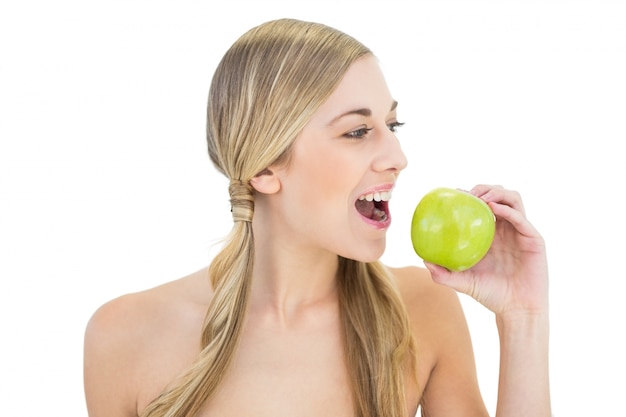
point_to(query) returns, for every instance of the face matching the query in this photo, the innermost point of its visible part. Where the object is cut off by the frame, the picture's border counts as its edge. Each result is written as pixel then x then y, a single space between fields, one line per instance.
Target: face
pixel 334 193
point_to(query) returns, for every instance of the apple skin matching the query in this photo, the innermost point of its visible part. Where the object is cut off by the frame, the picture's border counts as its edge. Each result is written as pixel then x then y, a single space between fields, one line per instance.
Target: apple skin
pixel 452 228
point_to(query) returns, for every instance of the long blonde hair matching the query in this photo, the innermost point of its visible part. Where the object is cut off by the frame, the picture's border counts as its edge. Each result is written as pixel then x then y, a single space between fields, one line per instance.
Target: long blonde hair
pixel 264 91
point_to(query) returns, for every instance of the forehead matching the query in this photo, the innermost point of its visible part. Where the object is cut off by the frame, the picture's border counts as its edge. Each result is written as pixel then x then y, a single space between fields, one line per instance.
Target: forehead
pixel 363 86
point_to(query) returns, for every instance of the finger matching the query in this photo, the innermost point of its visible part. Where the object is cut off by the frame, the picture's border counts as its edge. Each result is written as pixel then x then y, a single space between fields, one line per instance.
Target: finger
pixel 481 189
pixel 437 273
pixel 501 195
pixel 515 217
pixel 443 276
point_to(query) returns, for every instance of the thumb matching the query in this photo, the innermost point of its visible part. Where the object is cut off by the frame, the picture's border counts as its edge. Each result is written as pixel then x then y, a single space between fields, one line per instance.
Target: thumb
pixel 444 276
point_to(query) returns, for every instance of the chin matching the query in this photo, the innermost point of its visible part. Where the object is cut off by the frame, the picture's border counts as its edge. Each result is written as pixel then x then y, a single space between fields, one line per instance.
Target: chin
pixel 371 253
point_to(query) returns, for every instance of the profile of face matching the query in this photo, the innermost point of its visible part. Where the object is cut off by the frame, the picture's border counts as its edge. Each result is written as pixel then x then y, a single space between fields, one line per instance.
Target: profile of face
pixel 333 194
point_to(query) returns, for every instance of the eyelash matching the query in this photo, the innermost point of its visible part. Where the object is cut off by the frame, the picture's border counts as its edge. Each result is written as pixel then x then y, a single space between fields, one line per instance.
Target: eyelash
pixel 360 133
pixel 394 126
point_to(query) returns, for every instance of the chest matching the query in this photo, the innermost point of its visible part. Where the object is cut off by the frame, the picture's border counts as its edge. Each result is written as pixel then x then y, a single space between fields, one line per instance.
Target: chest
pixel 277 373
pixel 274 373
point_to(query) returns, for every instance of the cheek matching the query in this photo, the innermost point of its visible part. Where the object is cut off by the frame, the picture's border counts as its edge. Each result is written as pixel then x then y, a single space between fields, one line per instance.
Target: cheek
pixel 318 193
pixel 335 178
pixel 329 172
pixel 324 177
pixel 322 170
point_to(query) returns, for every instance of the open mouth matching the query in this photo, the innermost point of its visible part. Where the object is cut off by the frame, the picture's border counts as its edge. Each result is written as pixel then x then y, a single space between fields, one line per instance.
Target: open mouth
pixel 374 206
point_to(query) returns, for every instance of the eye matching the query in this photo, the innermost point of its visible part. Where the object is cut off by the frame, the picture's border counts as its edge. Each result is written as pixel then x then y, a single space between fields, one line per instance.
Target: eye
pixel 358 133
pixel 394 126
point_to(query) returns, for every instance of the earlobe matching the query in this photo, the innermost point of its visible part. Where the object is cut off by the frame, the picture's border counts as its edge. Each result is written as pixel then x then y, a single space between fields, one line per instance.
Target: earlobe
pixel 266 182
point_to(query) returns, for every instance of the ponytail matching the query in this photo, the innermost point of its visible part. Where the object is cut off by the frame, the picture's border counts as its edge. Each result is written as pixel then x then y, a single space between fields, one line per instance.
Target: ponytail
pixel 230 274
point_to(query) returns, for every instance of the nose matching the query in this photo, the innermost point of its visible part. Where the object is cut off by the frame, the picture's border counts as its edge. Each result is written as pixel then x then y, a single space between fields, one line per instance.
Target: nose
pixel 389 156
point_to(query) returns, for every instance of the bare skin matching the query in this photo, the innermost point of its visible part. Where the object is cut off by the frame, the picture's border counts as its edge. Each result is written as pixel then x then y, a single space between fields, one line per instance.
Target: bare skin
pixel 286 366
pixel 290 360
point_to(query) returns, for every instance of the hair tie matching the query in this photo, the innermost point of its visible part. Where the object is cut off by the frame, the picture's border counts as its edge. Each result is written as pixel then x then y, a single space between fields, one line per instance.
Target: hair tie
pixel 241 200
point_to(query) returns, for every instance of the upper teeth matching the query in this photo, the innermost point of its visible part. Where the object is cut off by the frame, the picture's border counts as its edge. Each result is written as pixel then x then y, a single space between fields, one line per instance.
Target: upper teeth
pixel 377 196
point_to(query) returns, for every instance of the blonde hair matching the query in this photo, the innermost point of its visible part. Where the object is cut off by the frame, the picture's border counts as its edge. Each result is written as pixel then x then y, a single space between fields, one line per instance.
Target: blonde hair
pixel 266 88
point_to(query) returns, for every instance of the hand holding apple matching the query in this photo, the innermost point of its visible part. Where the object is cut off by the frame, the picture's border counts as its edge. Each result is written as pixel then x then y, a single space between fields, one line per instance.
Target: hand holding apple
pixel 511 280
pixel 452 228
pixel 512 276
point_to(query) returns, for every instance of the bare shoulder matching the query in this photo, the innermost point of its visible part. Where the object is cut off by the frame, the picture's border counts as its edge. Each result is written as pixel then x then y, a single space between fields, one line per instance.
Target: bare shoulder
pixel 434 309
pixel 157 306
pixel 127 336
pixel 446 368
pixel 420 293
pixel 436 315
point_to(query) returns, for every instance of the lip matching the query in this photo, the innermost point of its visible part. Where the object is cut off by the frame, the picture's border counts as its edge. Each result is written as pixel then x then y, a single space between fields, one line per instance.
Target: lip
pixel 381 225
pixel 384 187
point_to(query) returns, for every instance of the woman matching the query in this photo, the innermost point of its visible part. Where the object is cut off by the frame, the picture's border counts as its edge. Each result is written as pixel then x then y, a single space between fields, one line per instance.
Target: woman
pixel 296 315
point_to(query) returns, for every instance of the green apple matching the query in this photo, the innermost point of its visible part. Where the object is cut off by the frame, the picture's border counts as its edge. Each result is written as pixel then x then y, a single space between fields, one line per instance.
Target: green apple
pixel 452 228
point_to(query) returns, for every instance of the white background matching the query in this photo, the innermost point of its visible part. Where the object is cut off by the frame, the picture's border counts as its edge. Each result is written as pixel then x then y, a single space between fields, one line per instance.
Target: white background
pixel 106 187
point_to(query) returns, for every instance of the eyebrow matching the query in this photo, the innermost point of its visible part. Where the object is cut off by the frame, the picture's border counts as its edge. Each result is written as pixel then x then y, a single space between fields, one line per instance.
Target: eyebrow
pixel 361 112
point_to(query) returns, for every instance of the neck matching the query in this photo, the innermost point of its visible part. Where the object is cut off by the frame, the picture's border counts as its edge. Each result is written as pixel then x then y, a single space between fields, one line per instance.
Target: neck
pixel 290 279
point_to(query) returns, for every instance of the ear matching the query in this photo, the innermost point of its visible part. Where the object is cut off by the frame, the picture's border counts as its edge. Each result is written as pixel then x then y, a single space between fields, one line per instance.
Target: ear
pixel 266 182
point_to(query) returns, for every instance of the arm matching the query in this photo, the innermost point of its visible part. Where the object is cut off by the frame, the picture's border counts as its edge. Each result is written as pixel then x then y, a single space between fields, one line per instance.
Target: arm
pixel 512 281
pixel 524 384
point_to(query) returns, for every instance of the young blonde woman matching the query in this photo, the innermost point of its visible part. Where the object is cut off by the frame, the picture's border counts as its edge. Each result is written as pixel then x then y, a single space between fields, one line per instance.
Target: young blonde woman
pixel 296 316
